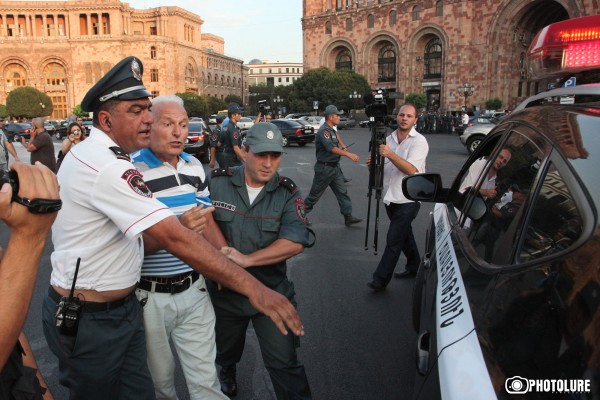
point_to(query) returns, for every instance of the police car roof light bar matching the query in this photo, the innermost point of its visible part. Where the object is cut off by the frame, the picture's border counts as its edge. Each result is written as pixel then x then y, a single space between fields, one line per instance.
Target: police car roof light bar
pixel 565 47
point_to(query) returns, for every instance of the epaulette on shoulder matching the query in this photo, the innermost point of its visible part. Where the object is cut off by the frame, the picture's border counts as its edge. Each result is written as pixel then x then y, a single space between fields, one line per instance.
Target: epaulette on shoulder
pixel 288 184
pixel 120 153
pixel 220 172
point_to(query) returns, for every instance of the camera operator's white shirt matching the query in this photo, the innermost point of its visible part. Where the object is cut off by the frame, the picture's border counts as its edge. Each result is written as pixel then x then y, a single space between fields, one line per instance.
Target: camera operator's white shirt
pixel 413 149
pixel 106 208
pixel 323 121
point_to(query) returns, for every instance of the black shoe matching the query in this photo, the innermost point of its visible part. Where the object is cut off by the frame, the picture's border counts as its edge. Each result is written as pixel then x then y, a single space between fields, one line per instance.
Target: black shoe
pixel 346 180
pixel 228 380
pixel 376 286
pixel 404 274
pixel 350 220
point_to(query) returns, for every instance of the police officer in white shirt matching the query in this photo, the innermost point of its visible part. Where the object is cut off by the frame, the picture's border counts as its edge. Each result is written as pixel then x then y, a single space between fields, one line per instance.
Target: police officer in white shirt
pixel 98 333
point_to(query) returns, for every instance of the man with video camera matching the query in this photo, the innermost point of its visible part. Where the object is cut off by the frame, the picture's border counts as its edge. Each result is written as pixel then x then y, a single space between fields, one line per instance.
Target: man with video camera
pixel 405 153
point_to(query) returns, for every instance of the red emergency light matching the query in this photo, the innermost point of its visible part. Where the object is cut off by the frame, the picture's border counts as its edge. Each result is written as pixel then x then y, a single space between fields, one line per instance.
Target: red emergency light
pixel 565 47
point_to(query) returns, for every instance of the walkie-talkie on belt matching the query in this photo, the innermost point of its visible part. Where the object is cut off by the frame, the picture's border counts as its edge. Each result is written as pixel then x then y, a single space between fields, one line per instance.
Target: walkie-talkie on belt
pixel 69 310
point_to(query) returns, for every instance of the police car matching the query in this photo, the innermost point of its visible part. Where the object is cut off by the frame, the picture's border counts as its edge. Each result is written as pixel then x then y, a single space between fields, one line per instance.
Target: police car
pixel 506 300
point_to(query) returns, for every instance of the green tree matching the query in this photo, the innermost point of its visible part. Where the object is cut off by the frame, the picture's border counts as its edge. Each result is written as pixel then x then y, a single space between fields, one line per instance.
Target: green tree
pixel 79 112
pixel 417 99
pixel 327 87
pixel 3 112
pixel 215 105
pixel 233 98
pixel 28 102
pixel 493 104
pixel 195 106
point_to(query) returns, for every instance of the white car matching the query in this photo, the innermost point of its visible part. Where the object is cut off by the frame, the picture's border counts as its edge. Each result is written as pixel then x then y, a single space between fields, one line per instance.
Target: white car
pixel 314 121
pixel 245 123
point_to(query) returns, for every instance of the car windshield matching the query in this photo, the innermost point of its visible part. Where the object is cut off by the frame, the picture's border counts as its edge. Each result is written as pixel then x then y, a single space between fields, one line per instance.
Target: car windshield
pixel 195 128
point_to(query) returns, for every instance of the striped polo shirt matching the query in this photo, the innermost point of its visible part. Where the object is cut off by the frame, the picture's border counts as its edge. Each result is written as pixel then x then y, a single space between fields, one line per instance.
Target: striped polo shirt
pixel 180 189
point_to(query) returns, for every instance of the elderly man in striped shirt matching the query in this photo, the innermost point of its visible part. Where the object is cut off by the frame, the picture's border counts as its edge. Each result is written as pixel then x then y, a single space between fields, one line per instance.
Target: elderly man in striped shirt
pixel 176 302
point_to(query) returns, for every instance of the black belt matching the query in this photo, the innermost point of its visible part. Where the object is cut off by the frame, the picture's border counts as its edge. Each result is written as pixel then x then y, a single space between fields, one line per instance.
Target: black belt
pixel 163 285
pixel 329 164
pixel 92 306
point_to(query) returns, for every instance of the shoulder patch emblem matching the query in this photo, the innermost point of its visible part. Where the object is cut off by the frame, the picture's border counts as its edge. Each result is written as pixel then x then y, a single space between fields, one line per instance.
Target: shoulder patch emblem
pixel 300 210
pixel 326 135
pixel 236 134
pixel 214 137
pixel 136 182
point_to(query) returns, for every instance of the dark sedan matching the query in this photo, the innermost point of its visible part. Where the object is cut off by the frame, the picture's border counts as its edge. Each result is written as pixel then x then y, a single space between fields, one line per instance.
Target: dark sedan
pixel 14 131
pixel 295 132
pixel 197 143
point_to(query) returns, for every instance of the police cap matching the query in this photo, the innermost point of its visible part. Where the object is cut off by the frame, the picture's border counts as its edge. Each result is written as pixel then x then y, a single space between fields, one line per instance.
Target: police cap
pixel 331 109
pixel 122 82
pixel 264 137
pixel 234 108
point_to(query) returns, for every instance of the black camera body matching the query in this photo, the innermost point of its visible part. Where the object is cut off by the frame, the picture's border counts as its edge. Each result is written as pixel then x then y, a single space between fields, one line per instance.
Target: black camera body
pixel 263 107
pixel 68 315
pixel 377 105
pixel 12 178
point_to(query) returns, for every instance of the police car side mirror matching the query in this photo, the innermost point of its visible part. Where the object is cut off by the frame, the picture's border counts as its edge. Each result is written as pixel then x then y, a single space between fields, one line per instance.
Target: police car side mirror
pixel 478 208
pixel 424 187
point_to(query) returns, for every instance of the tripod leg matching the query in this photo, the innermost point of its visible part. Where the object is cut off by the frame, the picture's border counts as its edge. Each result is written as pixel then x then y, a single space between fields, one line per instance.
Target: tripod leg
pixel 368 219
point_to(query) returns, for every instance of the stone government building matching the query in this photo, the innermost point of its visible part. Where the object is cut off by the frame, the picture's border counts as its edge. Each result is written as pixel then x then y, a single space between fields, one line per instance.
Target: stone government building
pixel 433 46
pixel 63 47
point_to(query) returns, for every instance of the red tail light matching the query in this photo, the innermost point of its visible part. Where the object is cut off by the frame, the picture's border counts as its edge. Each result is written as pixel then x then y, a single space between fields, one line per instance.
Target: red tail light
pixel 299 132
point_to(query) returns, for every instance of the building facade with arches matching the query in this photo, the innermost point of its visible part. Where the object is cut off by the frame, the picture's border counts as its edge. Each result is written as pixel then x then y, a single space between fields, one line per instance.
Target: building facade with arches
pixel 63 47
pixel 435 46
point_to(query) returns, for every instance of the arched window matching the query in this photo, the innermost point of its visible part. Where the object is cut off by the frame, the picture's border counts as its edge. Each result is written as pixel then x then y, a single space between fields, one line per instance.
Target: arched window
pixel 54 74
pixel 153 52
pixel 387 64
pixel 416 13
pixel 393 18
pixel 439 8
pixel 370 21
pixel 328 27
pixel 190 77
pixel 433 59
pixel 15 76
pixel 343 60
pixel 349 24
pixel 216 79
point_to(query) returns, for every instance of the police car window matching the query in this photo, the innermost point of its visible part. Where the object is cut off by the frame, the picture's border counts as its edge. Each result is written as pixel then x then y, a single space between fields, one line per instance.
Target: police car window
pixel 506 181
pixel 556 221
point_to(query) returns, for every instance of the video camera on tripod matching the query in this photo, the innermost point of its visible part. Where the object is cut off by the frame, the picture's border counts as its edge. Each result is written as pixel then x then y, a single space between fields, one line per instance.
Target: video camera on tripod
pixel 376 109
pixel 263 107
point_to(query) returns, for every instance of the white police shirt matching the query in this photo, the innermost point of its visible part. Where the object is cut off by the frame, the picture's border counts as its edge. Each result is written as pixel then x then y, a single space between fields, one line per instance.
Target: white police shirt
pixel 106 208
pixel 414 149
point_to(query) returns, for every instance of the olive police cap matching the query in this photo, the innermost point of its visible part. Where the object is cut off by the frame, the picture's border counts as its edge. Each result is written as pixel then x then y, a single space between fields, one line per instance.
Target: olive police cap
pixel 122 82
pixel 331 109
pixel 264 137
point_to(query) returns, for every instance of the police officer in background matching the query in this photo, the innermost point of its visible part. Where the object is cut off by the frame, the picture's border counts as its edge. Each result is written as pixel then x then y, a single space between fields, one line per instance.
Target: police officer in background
pixel 327 168
pixel 232 138
pixel 101 347
pixel 261 215
pixel 216 143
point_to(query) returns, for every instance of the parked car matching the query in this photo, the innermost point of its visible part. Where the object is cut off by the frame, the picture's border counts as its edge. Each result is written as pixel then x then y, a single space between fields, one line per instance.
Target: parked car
pixel 314 120
pixel 475 121
pixel 197 143
pixel 473 135
pixel 245 123
pixel 364 123
pixel 295 132
pixel 296 115
pixel 346 123
pixel 506 299
pixel 50 127
pixel 87 125
pixel 16 130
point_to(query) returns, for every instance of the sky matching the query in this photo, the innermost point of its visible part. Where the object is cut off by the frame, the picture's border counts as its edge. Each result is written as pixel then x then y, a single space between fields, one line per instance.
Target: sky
pixel 264 29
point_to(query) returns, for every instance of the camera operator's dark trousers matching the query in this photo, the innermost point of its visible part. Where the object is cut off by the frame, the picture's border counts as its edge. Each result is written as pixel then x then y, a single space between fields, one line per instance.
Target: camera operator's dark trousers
pixel 107 358
pixel 234 312
pixel 399 239
pixel 329 174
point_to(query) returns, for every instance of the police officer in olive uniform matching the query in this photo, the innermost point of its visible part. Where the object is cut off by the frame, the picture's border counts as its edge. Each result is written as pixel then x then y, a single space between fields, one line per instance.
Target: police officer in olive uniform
pixel 216 143
pixel 262 217
pixel 327 168
pixel 232 138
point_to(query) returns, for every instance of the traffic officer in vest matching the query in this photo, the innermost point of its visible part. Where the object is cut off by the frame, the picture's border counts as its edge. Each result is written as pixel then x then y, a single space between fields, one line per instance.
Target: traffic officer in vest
pixel 216 143
pixel 327 169
pixel 261 215
pixel 91 318
pixel 232 138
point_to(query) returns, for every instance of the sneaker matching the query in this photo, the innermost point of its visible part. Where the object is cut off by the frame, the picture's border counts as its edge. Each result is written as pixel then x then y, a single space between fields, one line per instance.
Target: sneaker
pixel 351 220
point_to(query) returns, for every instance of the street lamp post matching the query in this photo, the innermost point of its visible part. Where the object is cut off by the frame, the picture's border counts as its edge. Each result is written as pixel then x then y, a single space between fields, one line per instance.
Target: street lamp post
pixel 466 90
pixel 279 101
pixel 353 97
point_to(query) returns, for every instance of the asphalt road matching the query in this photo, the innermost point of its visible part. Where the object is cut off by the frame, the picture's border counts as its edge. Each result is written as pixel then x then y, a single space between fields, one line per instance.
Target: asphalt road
pixel 358 344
